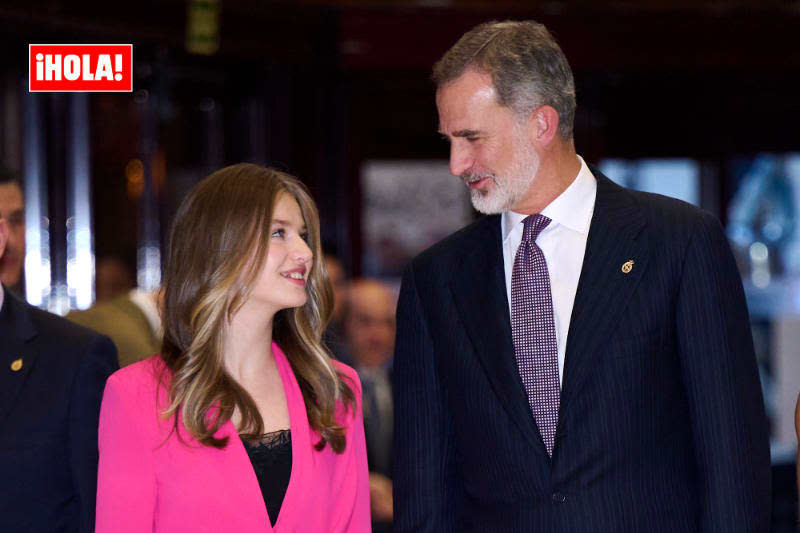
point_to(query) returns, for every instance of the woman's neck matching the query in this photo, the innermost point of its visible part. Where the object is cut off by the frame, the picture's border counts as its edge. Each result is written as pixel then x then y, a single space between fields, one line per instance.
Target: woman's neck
pixel 248 342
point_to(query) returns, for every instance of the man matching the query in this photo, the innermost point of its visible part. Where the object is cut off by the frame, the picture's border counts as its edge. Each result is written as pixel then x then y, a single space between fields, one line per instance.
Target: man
pixel 579 360
pixel 112 278
pixel 12 205
pixel 334 333
pixel 52 375
pixel 339 283
pixel 369 326
pixel 131 320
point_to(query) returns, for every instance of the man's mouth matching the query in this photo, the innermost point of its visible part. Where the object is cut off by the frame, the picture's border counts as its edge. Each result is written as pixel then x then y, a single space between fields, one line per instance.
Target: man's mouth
pixel 478 182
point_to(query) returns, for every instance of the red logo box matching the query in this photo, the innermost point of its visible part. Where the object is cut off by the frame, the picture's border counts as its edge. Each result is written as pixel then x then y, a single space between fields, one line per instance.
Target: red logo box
pixel 80 67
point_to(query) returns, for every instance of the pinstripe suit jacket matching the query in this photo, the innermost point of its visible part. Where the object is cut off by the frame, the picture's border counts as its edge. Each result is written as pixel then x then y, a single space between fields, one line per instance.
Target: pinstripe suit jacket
pixel 49 408
pixel 661 425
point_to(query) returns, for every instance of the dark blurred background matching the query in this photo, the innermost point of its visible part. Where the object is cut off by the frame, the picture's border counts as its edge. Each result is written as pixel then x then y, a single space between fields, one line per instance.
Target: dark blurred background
pixel 695 99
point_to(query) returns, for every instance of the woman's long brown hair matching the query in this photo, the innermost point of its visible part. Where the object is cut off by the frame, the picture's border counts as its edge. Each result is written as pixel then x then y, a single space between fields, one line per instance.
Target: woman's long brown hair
pixel 219 228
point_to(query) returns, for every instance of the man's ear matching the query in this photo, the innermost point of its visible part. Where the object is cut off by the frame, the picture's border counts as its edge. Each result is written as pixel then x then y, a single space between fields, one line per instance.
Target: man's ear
pixel 543 125
pixel 3 236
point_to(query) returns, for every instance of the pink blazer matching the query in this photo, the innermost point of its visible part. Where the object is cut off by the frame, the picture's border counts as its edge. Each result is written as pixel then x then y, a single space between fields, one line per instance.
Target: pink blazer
pixel 150 481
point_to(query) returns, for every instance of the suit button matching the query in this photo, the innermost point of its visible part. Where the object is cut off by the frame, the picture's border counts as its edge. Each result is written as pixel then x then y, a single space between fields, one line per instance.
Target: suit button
pixel 559 498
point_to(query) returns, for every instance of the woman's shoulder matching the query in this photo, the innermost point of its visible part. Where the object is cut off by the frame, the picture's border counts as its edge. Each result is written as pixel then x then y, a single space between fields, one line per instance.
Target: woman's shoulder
pixel 345 413
pixel 349 374
pixel 139 380
pixel 139 372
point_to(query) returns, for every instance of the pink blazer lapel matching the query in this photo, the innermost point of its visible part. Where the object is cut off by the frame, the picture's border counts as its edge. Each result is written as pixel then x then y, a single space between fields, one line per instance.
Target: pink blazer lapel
pixel 229 473
pixel 233 469
pixel 300 481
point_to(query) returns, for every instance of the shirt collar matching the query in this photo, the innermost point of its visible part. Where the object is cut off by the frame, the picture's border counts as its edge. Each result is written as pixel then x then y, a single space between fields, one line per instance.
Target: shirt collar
pixel 573 208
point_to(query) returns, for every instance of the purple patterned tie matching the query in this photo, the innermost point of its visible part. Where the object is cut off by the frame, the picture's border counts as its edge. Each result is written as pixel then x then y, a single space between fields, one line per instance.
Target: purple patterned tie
pixel 533 330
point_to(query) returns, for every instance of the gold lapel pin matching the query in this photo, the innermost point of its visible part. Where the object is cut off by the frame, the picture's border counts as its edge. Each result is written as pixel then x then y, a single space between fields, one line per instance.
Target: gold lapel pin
pixel 16 364
pixel 627 267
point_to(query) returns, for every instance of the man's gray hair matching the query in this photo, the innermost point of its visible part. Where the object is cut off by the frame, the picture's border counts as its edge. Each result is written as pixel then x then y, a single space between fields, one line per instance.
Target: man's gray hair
pixel 527 67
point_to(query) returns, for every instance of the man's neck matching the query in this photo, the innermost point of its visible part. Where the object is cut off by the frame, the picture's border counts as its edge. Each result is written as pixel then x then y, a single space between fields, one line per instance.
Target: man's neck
pixel 557 170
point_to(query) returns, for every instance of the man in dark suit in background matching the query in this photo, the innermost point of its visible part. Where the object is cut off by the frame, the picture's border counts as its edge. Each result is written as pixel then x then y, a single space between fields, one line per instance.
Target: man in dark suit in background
pixel 52 375
pixel 369 327
pixel 12 205
pixel 580 360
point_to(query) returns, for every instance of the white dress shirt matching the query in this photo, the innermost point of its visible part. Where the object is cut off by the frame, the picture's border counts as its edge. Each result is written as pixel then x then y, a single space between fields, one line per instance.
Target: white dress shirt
pixel 563 243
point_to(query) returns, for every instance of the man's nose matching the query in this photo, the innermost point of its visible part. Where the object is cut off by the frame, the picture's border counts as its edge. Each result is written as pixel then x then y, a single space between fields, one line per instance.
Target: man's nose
pixel 461 159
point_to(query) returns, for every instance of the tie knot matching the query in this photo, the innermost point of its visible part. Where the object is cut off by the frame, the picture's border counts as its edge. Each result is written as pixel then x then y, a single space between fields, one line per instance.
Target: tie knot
pixel 534 224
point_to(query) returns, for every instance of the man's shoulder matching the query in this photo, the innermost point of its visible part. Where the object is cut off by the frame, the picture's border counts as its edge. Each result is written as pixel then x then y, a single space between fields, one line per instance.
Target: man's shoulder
pixel 57 330
pixel 55 335
pixel 51 325
pixel 449 251
pixel 670 217
pixel 675 218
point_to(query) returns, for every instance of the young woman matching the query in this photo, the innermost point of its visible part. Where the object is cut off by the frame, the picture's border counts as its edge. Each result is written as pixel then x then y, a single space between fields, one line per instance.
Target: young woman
pixel 243 422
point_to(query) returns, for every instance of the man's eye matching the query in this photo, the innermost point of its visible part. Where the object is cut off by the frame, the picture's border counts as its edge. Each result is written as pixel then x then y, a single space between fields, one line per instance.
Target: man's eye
pixel 472 139
pixel 279 233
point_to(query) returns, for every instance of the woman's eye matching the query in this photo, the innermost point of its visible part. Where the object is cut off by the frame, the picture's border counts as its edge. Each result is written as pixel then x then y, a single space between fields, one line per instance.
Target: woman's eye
pixel 279 233
pixel 305 237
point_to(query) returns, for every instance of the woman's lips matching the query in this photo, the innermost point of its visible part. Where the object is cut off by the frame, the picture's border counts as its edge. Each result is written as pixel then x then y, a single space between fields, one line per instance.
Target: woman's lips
pixel 299 282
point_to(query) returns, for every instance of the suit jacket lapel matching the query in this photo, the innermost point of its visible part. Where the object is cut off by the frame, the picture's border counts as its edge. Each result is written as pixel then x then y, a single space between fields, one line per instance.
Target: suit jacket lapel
pixel 16 332
pixel 479 292
pixel 615 237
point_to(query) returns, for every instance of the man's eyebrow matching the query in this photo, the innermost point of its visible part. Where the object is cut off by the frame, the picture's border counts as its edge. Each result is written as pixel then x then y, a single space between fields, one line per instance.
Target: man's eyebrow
pixel 459 133
pixel 466 133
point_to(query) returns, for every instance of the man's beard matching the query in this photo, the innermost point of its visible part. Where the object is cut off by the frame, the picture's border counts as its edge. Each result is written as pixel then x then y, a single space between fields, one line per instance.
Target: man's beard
pixel 510 189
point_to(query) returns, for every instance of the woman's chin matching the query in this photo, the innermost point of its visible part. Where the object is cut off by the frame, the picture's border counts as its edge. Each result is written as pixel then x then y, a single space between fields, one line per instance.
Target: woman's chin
pixel 298 302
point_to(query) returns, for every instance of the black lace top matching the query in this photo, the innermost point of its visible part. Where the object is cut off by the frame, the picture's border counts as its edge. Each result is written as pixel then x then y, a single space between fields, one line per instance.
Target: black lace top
pixel 271 456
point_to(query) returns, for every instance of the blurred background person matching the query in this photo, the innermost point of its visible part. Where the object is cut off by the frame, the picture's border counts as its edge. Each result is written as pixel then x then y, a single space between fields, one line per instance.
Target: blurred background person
pixel 339 284
pixel 369 325
pixel 112 278
pixel 51 382
pixel 12 206
pixel 242 375
pixel 129 316
pixel 131 319
pixel 334 333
